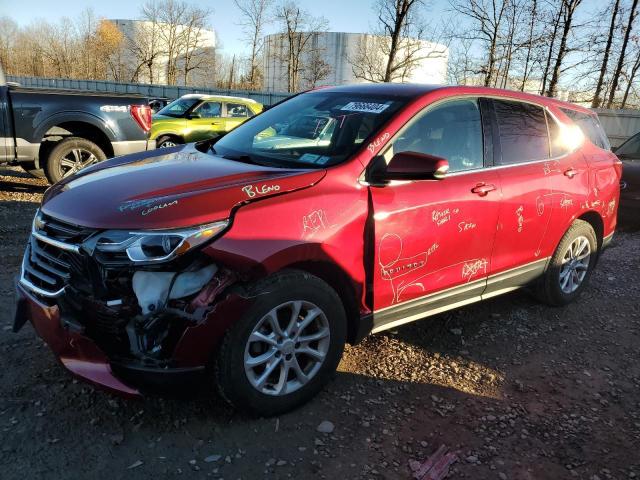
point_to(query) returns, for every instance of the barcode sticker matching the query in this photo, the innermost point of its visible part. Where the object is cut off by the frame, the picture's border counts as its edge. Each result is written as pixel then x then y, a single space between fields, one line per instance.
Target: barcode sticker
pixel 365 107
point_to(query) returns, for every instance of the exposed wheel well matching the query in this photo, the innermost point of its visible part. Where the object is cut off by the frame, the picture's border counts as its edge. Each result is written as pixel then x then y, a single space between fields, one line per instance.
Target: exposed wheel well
pixel 73 129
pixel 595 220
pixel 337 279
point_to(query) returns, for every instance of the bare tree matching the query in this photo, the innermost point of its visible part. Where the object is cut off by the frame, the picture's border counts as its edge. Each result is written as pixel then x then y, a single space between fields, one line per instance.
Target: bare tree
pixel 298 28
pixel 605 59
pixel 633 12
pixel 194 55
pixel 568 17
pixel 255 17
pixel 487 17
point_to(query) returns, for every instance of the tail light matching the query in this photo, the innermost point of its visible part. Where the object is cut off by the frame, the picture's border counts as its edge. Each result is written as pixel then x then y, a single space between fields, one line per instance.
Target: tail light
pixel 142 115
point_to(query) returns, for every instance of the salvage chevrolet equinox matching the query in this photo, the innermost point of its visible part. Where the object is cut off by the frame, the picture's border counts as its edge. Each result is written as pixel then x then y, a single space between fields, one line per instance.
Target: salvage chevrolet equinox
pixel 250 260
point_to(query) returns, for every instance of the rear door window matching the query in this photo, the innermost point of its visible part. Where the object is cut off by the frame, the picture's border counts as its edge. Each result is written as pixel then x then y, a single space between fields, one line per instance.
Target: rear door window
pixel 590 126
pixel 522 130
pixel 237 110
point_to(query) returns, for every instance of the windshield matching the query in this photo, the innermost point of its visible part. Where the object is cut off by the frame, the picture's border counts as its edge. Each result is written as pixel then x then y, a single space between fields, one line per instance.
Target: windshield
pixel 178 107
pixel 315 129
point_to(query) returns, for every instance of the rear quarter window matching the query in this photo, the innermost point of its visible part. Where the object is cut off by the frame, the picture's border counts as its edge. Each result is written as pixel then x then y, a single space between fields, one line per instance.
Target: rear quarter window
pixel 590 126
pixel 522 130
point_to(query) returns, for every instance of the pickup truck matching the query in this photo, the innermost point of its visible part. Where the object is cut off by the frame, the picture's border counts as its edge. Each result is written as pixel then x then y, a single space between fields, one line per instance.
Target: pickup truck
pixel 53 133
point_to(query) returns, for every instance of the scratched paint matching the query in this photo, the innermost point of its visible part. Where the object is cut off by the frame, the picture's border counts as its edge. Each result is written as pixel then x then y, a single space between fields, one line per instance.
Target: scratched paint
pixel 520 216
pixel 314 222
pixel 465 226
pixel 566 202
pixel 474 268
pixel 443 215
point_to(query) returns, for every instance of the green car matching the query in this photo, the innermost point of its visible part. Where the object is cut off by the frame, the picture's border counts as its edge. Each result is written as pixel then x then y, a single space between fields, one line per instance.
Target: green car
pixel 196 117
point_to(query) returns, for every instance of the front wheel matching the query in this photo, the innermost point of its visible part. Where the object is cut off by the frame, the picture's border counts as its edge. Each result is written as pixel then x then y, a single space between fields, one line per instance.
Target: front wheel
pixel 70 156
pixel 285 348
pixel 166 142
pixel 571 265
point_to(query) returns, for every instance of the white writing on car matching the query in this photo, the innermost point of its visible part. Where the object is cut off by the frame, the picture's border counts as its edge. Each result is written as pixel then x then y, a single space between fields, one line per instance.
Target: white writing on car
pixel 253 190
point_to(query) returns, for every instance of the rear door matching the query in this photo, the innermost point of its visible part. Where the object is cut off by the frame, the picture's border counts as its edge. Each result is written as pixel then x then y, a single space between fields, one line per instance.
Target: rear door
pixel 235 114
pixel 209 123
pixel 433 238
pixel 522 157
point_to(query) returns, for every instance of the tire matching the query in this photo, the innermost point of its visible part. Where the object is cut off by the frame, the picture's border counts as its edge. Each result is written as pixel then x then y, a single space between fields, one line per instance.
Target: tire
pixel 561 283
pixel 30 168
pixel 238 367
pixel 70 156
pixel 166 141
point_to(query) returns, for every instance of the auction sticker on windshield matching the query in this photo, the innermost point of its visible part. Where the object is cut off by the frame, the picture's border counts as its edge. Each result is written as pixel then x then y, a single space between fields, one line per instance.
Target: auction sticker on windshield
pixel 365 107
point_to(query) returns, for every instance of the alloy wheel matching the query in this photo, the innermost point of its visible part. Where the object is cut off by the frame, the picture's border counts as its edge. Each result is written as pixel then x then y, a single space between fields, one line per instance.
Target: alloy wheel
pixel 167 144
pixel 575 264
pixel 76 160
pixel 287 348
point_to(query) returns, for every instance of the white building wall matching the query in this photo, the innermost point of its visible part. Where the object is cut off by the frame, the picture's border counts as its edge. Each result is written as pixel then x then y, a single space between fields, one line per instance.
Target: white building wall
pixel 338 51
pixel 132 29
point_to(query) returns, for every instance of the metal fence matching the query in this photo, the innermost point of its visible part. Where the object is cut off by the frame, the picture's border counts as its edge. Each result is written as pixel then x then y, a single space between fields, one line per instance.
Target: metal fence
pixel 162 91
pixel 619 124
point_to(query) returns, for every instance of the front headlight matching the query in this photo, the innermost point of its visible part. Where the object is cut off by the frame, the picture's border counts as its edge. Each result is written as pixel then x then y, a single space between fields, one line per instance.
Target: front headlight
pixel 154 246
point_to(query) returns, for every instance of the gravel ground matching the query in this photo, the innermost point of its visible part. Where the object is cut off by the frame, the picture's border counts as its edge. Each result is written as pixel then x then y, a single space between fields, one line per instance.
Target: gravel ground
pixel 519 390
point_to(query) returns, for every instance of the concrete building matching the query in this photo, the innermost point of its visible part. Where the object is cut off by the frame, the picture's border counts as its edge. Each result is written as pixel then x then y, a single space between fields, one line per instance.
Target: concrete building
pixel 339 52
pixel 147 37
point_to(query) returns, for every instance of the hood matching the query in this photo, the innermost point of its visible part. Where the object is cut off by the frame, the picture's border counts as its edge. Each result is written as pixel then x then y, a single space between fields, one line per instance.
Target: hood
pixel 171 188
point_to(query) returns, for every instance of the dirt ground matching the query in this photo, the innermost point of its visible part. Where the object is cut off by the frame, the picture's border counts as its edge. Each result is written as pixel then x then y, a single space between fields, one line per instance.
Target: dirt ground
pixel 519 390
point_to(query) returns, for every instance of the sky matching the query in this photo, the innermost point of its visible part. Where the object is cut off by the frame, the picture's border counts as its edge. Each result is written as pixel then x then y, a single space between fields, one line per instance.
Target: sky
pixel 343 15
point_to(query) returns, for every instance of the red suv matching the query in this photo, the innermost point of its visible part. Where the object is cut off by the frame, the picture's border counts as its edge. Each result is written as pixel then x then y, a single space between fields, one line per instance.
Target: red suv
pixel 253 258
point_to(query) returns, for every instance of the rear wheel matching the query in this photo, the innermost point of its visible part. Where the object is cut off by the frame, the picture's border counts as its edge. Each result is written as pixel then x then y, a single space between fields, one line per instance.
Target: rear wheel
pixel 285 348
pixel 70 156
pixel 571 265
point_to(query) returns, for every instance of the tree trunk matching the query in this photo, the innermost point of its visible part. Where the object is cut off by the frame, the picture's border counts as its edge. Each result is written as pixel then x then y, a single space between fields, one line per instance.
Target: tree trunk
pixel 603 69
pixel 554 35
pixel 618 70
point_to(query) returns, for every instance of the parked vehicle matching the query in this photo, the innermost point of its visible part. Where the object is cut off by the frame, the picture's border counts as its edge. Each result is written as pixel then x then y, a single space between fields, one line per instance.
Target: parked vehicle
pixel 255 265
pixel 55 133
pixel 629 153
pixel 196 117
pixel 157 104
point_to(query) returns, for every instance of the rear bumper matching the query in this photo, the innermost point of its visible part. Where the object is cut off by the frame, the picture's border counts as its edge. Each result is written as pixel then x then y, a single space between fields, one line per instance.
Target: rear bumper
pixel 132 146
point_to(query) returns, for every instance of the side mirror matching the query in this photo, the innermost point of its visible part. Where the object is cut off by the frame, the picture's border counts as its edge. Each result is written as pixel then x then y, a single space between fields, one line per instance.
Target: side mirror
pixel 413 166
pixel 195 115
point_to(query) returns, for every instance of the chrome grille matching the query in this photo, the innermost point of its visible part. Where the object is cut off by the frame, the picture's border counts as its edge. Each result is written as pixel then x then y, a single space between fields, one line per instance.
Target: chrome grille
pixel 52 252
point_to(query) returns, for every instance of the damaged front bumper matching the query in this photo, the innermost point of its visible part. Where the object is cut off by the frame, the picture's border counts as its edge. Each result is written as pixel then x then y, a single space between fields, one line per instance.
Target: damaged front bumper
pixel 80 355
pixel 122 326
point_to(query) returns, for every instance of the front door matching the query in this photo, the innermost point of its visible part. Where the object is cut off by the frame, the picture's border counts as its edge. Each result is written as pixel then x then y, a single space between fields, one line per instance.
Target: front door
pixel 433 238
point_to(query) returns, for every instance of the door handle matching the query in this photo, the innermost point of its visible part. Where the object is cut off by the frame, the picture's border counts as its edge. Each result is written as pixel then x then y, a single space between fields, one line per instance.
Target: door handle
pixel 216 123
pixel 483 189
pixel 570 172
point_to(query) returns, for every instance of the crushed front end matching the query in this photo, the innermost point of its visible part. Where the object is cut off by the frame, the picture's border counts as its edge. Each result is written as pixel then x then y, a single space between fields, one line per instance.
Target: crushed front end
pixel 121 308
